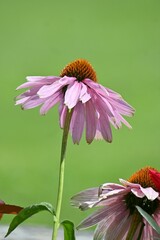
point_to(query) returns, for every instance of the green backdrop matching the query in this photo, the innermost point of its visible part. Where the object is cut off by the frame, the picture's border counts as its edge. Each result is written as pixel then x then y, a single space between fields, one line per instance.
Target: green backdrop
pixel 121 38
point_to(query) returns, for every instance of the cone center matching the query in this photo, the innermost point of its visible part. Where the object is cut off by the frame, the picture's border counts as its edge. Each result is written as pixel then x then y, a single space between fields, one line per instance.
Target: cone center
pixel 143 178
pixel 80 69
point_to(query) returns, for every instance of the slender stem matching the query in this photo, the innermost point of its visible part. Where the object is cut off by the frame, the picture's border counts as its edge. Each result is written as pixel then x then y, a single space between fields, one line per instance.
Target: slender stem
pixel 136 218
pixel 61 174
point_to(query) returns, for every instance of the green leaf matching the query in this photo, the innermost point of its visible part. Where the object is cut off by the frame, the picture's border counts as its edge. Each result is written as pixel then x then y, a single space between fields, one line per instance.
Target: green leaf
pixel 149 219
pixel 28 212
pixel 68 230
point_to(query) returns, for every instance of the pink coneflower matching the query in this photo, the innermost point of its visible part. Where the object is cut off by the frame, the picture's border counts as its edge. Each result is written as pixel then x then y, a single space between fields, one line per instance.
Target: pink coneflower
pixel 118 217
pixel 93 106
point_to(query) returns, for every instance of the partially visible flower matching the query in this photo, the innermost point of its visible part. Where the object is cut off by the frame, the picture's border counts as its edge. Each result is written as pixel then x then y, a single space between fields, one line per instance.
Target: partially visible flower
pixel 93 105
pixel 8 209
pixel 118 213
pixel 155 175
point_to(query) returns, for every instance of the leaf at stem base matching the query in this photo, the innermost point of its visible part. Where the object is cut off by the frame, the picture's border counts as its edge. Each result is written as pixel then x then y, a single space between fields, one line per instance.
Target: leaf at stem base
pixel 27 213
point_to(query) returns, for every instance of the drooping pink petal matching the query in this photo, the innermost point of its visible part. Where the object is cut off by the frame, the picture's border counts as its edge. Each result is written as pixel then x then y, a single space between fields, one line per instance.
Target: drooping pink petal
pixel 91 121
pixel 48 90
pixel 117 229
pixel 95 218
pixel 115 192
pixel 62 114
pixel 137 192
pixel 44 79
pixel 150 193
pixel 130 184
pixel 72 95
pixel 77 122
pixel 103 125
pixel 98 135
pixel 100 231
pixel 98 88
pixel 32 102
pixel 119 119
pixel 48 104
pixel 105 128
pixel 29 85
pixel 104 188
pixel 121 106
pixel 84 95
pixel 38 81
pixel 147 232
pixel 85 199
pixel 22 100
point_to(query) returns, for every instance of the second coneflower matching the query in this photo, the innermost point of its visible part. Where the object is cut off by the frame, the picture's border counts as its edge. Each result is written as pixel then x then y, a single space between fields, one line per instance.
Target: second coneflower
pixel 118 217
pixel 93 106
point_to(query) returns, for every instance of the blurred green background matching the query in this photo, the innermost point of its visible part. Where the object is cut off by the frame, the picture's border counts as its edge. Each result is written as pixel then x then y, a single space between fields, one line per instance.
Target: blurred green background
pixel 121 38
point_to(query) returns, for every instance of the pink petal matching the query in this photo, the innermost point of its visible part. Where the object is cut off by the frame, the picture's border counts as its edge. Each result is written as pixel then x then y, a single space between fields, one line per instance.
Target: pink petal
pixel 122 106
pixel 22 100
pixel 103 120
pixel 62 114
pixel 72 94
pixel 84 95
pixel 38 81
pixel 47 91
pixel 150 193
pixel 98 135
pixel 105 128
pixel 118 227
pixel 114 192
pixel 91 121
pixel 137 192
pixel 94 218
pixel 116 122
pixel 111 186
pixel 85 199
pixel 32 102
pixel 98 88
pixel 101 229
pixel 77 122
pixel 44 79
pixel 50 103
pixel 126 183
pixel 28 85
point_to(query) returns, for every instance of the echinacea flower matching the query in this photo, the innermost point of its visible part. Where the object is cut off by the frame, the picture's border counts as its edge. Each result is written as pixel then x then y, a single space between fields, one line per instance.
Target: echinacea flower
pixel 93 105
pixel 118 215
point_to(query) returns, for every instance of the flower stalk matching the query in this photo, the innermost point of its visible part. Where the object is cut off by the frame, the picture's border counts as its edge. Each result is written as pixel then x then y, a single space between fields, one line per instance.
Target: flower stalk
pixel 61 174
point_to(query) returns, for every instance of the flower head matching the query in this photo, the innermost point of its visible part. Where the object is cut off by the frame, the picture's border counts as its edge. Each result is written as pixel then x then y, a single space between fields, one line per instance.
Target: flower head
pixel 118 211
pixel 93 105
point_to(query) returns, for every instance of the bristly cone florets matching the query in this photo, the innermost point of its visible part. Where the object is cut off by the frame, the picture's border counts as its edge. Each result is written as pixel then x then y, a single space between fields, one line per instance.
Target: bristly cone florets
pixel 143 178
pixel 81 69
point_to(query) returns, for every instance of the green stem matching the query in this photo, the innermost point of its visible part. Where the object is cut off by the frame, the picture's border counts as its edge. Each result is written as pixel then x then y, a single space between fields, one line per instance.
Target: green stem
pixel 61 174
pixel 136 218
